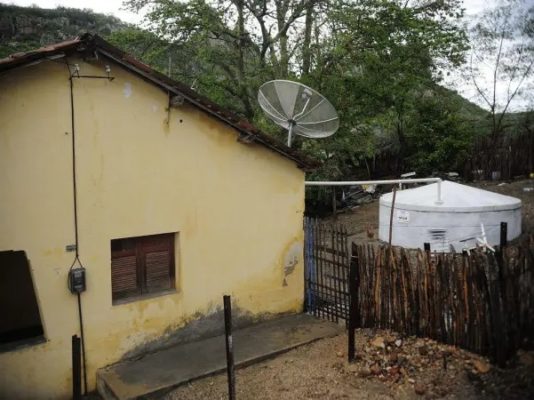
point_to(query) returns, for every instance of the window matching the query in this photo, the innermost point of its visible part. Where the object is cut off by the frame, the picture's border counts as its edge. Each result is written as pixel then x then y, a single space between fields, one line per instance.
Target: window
pixel 20 322
pixel 142 265
pixel 438 239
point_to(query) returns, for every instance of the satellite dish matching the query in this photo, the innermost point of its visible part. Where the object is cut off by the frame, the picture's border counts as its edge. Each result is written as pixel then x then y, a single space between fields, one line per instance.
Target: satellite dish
pixel 299 109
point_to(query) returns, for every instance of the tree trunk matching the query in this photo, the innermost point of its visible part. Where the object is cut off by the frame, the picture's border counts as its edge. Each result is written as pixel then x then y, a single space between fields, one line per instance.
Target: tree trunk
pixel 241 74
pixel 402 142
pixel 306 50
pixel 281 13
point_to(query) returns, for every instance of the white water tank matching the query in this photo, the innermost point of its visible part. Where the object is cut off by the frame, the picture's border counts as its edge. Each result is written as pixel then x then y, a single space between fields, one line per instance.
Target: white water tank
pixel 454 223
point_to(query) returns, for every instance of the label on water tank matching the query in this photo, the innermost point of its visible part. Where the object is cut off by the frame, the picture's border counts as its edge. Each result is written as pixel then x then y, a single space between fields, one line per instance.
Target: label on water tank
pixel 403 217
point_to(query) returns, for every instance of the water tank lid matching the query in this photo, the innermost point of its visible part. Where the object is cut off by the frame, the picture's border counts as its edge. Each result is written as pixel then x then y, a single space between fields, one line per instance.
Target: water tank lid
pixel 456 198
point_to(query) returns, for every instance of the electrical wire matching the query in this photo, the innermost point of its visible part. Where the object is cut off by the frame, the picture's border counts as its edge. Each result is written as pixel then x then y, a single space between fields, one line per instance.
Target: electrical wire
pixel 76 236
pixel 72 75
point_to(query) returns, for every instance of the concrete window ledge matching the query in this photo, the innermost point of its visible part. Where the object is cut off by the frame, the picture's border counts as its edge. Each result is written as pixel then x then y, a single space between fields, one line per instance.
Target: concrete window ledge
pixel 145 296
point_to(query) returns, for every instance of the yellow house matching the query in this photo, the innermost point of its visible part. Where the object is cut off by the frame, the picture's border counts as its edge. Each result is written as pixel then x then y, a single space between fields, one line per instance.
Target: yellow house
pixel 167 200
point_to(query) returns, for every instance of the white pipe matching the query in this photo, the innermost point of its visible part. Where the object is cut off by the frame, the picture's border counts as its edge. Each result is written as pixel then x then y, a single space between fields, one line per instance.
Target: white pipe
pixel 380 182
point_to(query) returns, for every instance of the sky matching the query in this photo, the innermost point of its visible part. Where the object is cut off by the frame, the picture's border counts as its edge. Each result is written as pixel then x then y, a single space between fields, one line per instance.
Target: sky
pixel 114 7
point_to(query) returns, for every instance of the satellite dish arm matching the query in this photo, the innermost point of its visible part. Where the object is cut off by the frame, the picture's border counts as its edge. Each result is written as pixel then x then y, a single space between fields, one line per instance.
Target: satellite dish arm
pixel 309 111
pixel 303 109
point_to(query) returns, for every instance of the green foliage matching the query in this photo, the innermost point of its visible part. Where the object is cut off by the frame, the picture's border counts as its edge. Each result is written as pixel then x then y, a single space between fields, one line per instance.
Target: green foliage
pixel 437 136
pixel 381 58
pixel 156 52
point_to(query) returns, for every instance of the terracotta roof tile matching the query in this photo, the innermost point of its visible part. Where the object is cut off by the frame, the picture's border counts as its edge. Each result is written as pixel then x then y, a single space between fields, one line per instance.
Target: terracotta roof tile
pixel 22 57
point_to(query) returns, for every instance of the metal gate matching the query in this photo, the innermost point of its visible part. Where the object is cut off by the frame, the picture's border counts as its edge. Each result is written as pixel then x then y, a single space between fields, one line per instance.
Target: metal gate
pixel 326 266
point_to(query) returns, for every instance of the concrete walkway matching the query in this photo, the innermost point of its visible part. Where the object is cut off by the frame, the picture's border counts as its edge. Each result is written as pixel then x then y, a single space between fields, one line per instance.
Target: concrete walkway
pixel 158 372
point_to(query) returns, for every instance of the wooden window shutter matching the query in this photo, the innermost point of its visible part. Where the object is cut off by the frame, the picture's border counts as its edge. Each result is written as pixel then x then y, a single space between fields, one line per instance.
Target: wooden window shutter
pixel 157 254
pixel 21 319
pixel 124 270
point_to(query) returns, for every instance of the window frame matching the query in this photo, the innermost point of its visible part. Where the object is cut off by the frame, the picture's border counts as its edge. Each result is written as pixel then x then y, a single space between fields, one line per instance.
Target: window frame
pixel 141 247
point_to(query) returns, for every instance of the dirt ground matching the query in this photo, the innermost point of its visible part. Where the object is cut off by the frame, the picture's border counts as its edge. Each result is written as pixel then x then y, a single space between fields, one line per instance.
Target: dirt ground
pixel 388 367
pixel 362 221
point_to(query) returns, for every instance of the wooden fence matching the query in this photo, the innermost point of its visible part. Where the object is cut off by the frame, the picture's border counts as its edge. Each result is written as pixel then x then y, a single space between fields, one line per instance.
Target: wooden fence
pixel 501 158
pixel 481 302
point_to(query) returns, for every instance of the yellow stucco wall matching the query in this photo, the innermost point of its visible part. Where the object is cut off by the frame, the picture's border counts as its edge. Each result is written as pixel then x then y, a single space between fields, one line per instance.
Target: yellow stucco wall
pixel 237 208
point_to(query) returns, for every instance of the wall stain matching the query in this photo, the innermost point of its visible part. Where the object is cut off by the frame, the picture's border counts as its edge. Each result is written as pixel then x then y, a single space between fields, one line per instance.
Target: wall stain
pixel 291 257
pixel 197 326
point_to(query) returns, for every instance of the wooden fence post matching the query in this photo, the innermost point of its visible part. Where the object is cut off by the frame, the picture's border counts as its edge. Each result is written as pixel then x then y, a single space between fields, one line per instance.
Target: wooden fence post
pixel 76 368
pixel 353 305
pixel 504 235
pixel 229 346
pixel 334 203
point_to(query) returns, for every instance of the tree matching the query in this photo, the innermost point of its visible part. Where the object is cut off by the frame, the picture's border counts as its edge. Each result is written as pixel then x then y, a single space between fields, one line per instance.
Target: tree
pixel 156 52
pixel 502 58
pixel 382 56
pixel 372 59
pixel 237 43
pixel 439 137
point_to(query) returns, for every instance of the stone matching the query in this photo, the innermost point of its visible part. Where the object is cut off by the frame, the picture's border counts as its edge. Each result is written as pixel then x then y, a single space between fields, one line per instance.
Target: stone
pixel 398 342
pixel 419 388
pixel 339 354
pixel 526 358
pixel 481 367
pixel 378 342
pixel 375 369
pixel 423 350
pixel 353 368
pixel 442 391
pixel 473 376
pixel 338 365
pixel 365 372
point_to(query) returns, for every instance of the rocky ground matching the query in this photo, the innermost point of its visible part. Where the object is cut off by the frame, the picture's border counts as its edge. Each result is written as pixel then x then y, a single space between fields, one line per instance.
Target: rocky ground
pixel 388 367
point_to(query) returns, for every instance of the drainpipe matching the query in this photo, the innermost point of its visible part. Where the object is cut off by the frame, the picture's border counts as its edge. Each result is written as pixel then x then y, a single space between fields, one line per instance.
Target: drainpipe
pixel 381 182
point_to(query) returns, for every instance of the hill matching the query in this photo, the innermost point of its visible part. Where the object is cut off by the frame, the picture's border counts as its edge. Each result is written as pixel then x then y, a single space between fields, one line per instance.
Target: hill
pixel 26 28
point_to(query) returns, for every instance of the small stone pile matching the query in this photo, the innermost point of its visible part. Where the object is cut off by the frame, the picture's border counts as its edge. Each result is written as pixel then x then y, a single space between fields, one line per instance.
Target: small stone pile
pixel 428 367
